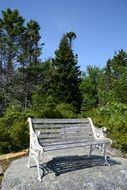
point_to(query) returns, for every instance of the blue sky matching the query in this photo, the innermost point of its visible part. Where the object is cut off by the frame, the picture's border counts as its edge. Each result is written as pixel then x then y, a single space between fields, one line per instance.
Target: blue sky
pixel 100 26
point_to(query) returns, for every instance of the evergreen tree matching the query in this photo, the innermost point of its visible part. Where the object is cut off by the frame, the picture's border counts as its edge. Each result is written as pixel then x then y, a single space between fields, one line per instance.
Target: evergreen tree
pixel 30 70
pixel 113 86
pixel 30 47
pixel 89 88
pixel 11 30
pixel 66 74
pixel 71 36
pixel 119 74
pixel 19 50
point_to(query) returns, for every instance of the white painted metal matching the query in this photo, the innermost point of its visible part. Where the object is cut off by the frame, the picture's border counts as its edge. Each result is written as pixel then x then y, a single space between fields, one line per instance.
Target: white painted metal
pixel 35 150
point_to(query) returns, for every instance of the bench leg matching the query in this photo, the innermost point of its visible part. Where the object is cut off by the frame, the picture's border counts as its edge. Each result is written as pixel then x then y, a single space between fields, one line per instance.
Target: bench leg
pixel 91 150
pixel 29 159
pixel 36 157
pixel 105 156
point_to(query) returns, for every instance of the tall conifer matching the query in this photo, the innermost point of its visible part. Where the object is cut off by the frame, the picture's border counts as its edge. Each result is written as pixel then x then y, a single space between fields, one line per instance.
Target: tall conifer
pixel 66 76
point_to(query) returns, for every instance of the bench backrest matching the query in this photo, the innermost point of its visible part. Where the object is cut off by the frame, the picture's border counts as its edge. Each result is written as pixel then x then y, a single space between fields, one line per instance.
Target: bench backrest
pixel 57 131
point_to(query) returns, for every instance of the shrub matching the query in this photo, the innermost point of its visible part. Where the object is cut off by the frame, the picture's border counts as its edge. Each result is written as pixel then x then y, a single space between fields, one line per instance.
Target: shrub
pixel 19 135
pixel 5 138
pixel 14 130
pixel 48 107
pixel 65 110
pixel 113 116
pixel 43 106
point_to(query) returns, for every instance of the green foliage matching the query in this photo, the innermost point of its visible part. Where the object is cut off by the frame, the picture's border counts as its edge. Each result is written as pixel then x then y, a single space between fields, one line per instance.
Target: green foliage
pixel 43 106
pixel 5 138
pixel 113 116
pixel 65 111
pixel 113 80
pixel 66 73
pixel 89 88
pixel 48 107
pixel 19 49
pixel 14 130
pixel 19 135
pixel 104 98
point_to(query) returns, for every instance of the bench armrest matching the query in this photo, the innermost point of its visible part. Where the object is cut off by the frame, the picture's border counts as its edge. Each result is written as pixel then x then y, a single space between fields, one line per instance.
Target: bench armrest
pixel 34 141
pixel 34 144
pixel 99 132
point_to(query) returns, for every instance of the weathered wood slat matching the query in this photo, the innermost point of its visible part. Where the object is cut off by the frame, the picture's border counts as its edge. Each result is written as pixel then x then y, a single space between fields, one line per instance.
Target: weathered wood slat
pixel 60 121
pixel 80 144
pixel 69 141
pixel 59 126
pixel 60 136
pixel 63 139
pixel 65 135
pixel 63 131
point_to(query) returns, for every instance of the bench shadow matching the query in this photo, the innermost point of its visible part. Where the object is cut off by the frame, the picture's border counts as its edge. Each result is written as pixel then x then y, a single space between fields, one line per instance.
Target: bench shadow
pixel 64 164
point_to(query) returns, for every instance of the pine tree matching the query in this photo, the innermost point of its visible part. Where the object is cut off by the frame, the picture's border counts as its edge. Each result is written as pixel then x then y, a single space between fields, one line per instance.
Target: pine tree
pixel 19 55
pixel 11 30
pixel 30 65
pixel 113 87
pixel 66 73
pixel 89 88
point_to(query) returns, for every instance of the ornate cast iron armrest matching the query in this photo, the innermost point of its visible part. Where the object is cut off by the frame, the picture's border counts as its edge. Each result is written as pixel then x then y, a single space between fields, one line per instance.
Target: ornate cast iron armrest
pixel 34 141
pixel 99 132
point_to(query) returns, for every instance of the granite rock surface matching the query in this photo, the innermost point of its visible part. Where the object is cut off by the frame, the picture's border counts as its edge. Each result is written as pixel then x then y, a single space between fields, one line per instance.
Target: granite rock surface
pixel 70 169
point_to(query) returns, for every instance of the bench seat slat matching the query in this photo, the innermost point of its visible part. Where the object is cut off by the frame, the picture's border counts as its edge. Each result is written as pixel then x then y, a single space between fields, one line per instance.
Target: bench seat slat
pixel 78 144
pixel 68 141
pixel 59 121
pixel 54 129
pixel 72 128
pixel 59 125
pixel 59 138
pixel 65 134
pixel 56 134
pixel 53 140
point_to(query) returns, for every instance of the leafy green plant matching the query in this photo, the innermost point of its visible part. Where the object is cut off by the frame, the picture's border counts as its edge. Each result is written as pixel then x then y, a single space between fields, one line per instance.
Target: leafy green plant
pixel 14 130
pixel 64 110
pixel 114 116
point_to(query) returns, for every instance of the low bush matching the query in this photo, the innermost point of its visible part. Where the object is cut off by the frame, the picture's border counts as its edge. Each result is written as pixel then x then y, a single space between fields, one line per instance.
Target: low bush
pixel 14 130
pixel 113 116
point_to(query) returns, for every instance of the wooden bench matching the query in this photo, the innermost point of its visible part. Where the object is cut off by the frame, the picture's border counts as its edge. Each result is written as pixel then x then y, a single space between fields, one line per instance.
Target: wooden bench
pixel 57 134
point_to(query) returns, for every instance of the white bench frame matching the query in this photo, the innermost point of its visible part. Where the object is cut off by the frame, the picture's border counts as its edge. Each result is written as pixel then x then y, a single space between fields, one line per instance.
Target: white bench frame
pixel 36 150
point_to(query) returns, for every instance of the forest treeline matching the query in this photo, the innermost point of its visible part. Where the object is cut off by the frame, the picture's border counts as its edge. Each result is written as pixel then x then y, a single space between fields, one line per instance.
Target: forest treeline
pixel 56 87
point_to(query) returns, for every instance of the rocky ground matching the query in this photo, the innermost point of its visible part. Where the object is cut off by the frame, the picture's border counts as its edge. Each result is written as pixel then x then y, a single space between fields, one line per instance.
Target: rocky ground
pixel 70 169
